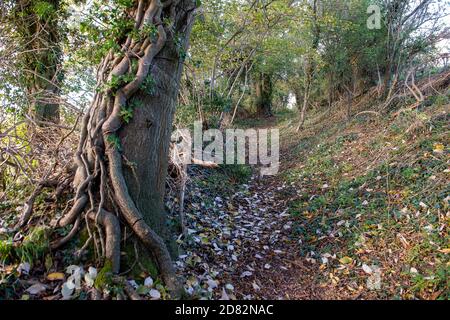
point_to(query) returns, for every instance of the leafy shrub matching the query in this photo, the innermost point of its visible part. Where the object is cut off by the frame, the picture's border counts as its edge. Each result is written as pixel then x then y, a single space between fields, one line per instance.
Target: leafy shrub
pixel 34 245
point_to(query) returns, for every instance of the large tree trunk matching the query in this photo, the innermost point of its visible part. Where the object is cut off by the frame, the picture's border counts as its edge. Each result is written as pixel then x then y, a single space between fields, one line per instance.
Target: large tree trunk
pixel 122 160
pixel 263 91
pixel 145 140
pixel 41 57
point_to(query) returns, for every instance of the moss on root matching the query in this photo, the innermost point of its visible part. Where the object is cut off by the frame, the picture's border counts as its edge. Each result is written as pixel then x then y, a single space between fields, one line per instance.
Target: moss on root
pixel 105 276
pixel 146 263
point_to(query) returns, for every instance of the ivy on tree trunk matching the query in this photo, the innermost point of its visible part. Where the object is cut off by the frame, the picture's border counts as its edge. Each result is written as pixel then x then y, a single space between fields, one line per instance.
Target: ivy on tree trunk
pixel 37 24
pixel 122 155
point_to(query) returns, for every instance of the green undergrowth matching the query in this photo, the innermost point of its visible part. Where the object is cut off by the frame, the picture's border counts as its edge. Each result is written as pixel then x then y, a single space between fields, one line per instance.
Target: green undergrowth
pixel 32 248
pixel 224 179
pixel 398 209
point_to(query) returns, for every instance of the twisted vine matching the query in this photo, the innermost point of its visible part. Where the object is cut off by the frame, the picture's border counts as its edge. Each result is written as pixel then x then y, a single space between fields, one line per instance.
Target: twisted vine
pixel 98 158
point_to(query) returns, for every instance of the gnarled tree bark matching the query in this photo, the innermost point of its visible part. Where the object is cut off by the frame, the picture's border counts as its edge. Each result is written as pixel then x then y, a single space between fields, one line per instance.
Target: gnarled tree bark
pixel 122 165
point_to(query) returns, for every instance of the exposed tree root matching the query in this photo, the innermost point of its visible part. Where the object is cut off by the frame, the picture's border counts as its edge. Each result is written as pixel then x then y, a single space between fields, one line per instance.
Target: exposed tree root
pixel 98 159
pixel 112 230
pixel 136 222
pixel 28 208
pixel 129 290
pixel 73 232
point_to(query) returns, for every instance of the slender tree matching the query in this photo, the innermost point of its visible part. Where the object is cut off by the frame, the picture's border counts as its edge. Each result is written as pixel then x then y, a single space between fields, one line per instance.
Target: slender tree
pixel 310 63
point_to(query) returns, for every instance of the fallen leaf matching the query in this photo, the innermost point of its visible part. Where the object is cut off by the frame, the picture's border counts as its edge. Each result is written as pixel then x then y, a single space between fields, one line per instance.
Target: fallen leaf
pixel 246 274
pixel 75 275
pixel 423 205
pixel 155 294
pixel 366 268
pixel 255 286
pixel 374 280
pixel 55 276
pixel 67 289
pixel 438 148
pixel 229 286
pixel 90 276
pixel 148 282
pixel 24 268
pixel 224 295
pixel 345 260
pixel 212 284
pixel 36 288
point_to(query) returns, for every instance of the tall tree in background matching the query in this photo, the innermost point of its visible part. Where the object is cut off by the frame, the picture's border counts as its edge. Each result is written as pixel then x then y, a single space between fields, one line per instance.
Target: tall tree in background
pixel 263 93
pixel 36 23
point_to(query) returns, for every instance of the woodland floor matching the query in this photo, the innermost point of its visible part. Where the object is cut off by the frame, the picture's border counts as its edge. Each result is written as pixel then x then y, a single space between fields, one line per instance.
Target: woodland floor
pixel 247 240
pixel 359 210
